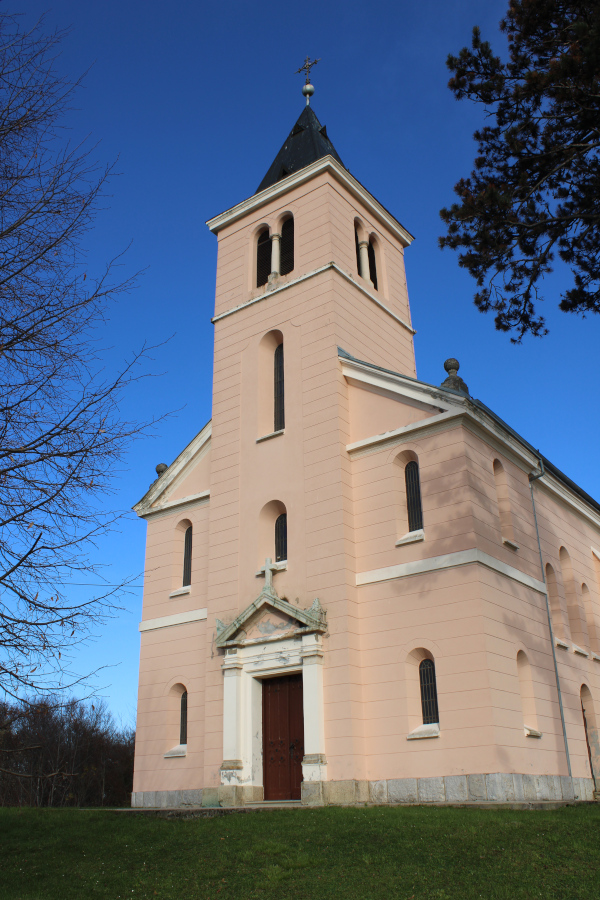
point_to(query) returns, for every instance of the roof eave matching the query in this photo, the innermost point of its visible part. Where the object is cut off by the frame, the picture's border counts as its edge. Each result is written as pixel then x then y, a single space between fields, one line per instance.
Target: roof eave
pixel 325 164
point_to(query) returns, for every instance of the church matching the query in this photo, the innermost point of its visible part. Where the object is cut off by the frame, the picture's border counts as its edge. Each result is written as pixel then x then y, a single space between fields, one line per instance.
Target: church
pixel 359 587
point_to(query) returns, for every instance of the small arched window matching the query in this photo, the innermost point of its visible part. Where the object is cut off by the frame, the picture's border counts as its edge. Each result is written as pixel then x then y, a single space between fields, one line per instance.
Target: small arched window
pixel 429 702
pixel 183 719
pixel 372 264
pixel 187 557
pixel 554 600
pixel 279 404
pixel 263 258
pixel 503 498
pixel 281 537
pixel 527 695
pixel 575 611
pixel 287 247
pixel 413 496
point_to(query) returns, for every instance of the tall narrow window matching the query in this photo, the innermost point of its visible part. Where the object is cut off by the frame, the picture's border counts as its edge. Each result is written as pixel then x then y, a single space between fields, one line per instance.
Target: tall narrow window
pixel 527 695
pixel 183 719
pixel 281 537
pixel 279 421
pixel 372 265
pixel 504 511
pixel 287 247
pixel 558 625
pixel 413 496
pixel 358 265
pixel 187 557
pixel 263 258
pixel 429 702
pixel 575 611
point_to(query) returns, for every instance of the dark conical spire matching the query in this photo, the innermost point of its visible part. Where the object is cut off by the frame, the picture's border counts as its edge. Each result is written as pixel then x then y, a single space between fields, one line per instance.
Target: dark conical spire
pixel 306 142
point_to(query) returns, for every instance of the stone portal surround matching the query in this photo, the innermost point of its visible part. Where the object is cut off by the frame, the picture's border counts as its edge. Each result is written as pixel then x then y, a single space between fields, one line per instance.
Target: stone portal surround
pixel 494 788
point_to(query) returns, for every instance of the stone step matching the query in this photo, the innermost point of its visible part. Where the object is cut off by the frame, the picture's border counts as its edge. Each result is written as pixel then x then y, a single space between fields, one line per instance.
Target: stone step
pixel 274 804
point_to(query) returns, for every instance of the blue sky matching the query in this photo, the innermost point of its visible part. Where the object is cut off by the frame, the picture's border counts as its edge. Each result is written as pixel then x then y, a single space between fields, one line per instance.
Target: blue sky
pixel 195 99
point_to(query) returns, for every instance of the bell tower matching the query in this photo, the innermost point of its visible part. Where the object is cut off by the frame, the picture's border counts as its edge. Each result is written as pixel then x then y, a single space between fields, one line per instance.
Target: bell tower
pixel 310 264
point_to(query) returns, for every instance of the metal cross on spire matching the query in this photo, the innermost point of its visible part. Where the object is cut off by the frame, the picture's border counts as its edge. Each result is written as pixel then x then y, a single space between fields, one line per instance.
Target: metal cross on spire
pixel 308 90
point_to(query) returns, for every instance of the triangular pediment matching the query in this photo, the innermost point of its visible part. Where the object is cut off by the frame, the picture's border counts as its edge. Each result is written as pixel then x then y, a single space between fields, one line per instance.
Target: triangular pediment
pixel 271 617
pixel 187 478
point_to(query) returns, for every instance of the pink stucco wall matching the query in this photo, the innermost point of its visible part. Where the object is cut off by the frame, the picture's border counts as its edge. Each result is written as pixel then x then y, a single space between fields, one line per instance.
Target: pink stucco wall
pixel 345 512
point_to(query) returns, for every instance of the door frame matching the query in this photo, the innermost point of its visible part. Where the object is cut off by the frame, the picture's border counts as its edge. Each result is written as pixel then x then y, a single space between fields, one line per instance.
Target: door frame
pixel 244 669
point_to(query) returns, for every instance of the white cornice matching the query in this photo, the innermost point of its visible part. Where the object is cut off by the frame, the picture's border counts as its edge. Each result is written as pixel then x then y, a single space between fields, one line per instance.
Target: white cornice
pixel 301 278
pixel 450 561
pixel 164 509
pixel 326 164
pixel 460 411
pixel 168 478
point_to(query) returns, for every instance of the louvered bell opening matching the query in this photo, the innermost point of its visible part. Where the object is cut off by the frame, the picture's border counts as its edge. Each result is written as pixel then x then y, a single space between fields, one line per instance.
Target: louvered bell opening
pixel 279 419
pixel 187 557
pixel 263 258
pixel 372 266
pixel 429 703
pixel 357 251
pixel 281 537
pixel 287 247
pixel 413 497
pixel 183 719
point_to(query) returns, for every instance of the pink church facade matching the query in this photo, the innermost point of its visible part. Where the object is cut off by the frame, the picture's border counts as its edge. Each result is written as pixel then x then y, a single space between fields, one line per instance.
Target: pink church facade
pixel 359 587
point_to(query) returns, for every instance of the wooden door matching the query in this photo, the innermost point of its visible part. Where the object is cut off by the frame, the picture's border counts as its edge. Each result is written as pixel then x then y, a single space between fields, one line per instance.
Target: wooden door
pixel 283 737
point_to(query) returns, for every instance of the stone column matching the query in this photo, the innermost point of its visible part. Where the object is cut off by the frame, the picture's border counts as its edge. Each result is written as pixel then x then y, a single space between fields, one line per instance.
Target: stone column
pixel 232 703
pixel 314 764
pixel 363 256
pixel 275 254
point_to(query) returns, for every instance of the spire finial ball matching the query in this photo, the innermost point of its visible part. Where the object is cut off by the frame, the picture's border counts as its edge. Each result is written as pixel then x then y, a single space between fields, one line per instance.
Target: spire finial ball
pixel 452 366
pixel 308 90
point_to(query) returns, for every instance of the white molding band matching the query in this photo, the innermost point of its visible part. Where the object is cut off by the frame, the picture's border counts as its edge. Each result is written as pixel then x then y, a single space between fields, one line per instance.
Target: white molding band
pixel 185 618
pixel 175 505
pixel 300 279
pixel 450 561
pixel 326 163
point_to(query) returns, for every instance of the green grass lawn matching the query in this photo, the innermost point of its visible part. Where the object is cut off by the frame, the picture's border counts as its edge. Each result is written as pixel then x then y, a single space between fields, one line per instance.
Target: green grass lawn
pixel 363 853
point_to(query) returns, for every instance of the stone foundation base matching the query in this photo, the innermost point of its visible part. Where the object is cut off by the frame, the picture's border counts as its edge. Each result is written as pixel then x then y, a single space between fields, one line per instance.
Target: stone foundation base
pixel 496 788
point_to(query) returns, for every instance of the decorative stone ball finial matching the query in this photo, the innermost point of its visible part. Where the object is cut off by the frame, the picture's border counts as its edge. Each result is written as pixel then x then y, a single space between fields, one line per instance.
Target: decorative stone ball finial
pixel 454 381
pixel 161 467
pixel 452 366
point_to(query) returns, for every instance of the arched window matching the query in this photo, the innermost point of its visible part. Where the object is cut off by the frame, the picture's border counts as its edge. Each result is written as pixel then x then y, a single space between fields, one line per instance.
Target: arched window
pixel 502 496
pixel 372 264
pixel 263 258
pixel 555 608
pixel 429 702
pixel 183 719
pixel 592 737
pixel 413 496
pixel 187 557
pixel 287 246
pixel 591 619
pixel 575 611
pixel 358 260
pixel 281 537
pixel 527 695
pixel 279 404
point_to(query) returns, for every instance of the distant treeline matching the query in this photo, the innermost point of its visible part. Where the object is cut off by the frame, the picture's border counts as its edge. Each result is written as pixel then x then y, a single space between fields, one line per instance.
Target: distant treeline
pixel 63 754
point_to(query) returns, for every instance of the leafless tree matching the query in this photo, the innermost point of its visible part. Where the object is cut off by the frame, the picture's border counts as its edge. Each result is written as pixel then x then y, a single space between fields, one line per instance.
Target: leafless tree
pixel 61 432
pixel 57 753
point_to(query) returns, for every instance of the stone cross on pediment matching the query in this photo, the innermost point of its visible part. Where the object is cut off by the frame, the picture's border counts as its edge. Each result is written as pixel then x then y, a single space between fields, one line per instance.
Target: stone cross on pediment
pixel 268 573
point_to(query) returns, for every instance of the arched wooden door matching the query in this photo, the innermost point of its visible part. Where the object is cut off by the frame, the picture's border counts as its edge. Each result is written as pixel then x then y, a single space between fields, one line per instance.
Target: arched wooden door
pixel 283 737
